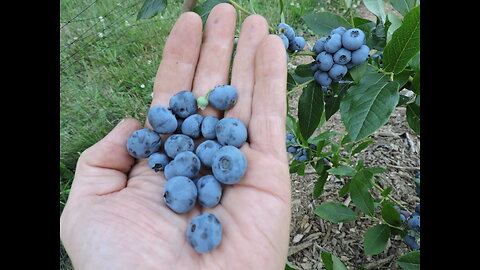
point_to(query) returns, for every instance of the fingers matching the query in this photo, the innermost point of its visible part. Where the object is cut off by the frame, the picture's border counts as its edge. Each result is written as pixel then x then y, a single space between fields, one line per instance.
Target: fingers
pixel 213 66
pixel 254 29
pixel 267 123
pixel 103 167
pixel 179 60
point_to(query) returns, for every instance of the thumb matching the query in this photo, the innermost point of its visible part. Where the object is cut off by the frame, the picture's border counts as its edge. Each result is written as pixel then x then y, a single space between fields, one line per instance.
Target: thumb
pixel 103 167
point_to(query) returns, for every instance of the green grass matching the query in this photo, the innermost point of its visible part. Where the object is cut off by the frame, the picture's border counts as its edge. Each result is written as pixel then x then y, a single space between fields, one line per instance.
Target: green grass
pixel 108 62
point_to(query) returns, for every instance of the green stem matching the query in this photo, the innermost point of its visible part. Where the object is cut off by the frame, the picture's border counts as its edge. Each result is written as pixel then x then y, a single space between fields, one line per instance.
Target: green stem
pixel 237 6
pixel 303 53
pixel 299 86
pixel 379 188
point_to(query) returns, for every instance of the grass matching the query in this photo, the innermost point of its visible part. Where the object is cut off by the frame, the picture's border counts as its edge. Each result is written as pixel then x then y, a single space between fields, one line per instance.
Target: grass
pixel 108 62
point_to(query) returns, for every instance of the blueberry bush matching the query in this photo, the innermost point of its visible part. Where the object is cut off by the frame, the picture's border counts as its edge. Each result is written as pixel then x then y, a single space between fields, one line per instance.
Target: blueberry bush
pixel 361 69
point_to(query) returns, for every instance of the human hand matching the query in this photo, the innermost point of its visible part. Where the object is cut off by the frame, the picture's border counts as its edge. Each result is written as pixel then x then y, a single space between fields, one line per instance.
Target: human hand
pixel 115 217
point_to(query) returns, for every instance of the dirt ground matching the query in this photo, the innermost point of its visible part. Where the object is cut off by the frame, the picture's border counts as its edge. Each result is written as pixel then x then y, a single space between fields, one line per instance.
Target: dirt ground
pixel 396 148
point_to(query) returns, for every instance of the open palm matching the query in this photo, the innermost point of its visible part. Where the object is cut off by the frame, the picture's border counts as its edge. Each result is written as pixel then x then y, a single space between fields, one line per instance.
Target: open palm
pixel 115 217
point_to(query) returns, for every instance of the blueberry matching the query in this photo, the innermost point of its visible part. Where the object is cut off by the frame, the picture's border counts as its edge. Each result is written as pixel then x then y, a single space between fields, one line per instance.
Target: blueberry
pixel 292 149
pixel 360 55
pixel 301 158
pixel 402 218
pixel 322 78
pixel 206 150
pixel 319 45
pixel 312 146
pixel 184 164
pixel 350 65
pixel 287 30
pixel 333 43
pixel 414 223
pixel 229 165
pixel 284 40
pixel 290 136
pixel 158 161
pixel 143 142
pixel 162 120
pixel 204 232
pixel 183 104
pixel 223 97
pixel 231 131
pixel 353 39
pixel 208 127
pixel 417 175
pixel 191 125
pixel 325 61
pixel 337 72
pixel 404 213
pixel 180 194
pixel 339 30
pixel 178 143
pixel 410 241
pixel 342 56
pixel 209 191
pixel 315 66
pixel 417 208
pixel 298 44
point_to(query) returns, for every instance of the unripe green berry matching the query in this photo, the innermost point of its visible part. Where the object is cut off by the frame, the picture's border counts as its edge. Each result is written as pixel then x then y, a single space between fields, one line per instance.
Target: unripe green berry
pixel 202 102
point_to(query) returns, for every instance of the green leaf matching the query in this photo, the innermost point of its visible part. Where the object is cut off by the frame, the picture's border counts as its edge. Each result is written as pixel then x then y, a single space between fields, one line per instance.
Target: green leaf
pixel 403 6
pixel 343 190
pixel 365 109
pixel 415 62
pixel 377 7
pixel 358 21
pixel 204 8
pixel 151 8
pixel 362 146
pixel 413 115
pixel 327 260
pixel 395 24
pixel 332 104
pixel 322 23
pixel 304 70
pixel 405 43
pixel 335 212
pixel 291 124
pixel 319 184
pixel 291 83
pixel 390 214
pixel 357 72
pixel 361 197
pixel 297 167
pixel 310 109
pixel 290 266
pixel 386 191
pixel 343 171
pixel 416 83
pixel 410 261
pixel 376 238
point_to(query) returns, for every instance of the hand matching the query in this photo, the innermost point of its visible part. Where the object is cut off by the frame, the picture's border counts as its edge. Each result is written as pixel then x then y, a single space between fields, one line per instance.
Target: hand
pixel 115 217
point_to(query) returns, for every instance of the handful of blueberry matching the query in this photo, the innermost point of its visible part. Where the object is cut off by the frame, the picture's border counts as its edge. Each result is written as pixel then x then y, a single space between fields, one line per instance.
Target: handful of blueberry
pixel 218 154
pixel 336 54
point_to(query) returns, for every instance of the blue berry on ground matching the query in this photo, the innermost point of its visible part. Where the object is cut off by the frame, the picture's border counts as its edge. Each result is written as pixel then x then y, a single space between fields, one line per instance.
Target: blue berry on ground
pixel 183 104
pixel 143 142
pixel 162 120
pixel 178 143
pixel 209 191
pixel 204 232
pixel 180 194
pixel 184 164
pixel 223 97
pixel 229 165
pixel 158 161
pixel 191 125
pixel 231 131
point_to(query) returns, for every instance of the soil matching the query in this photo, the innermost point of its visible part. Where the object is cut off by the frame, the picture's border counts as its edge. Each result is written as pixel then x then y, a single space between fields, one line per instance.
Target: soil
pixel 396 148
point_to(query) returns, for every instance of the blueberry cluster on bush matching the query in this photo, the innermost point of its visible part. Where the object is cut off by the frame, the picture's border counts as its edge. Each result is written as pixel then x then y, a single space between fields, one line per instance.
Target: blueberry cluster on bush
pixel 413 226
pixel 218 154
pixel 299 153
pixel 336 54
pixel 290 40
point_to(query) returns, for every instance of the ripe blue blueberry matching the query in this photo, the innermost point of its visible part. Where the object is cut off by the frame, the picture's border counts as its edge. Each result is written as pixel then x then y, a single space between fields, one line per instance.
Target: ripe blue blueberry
pixel 315 66
pixel 360 55
pixel 325 61
pixel 284 40
pixel 158 161
pixel 229 165
pixel 208 127
pixel 206 150
pixel 298 44
pixel 350 65
pixel 231 131
pixel 178 143
pixel 287 30
pixel 143 142
pixel 353 39
pixel 333 43
pixel 319 45
pixel 417 208
pixel 204 232
pixel 417 175
pixel 191 125
pixel 414 223
pixel 337 72
pixel 339 30
pixel 405 213
pixel 322 78
pixel 223 97
pixel 209 191
pixel 410 241
pixel 183 104
pixel 180 194
pixel 342 56
pixel 162 120
pixel 290 136
pixel 184 164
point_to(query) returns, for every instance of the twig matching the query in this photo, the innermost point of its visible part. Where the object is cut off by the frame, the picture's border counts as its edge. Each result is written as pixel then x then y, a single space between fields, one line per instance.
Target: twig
pixel 410 142
pixel 378 263
pixel 404 168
